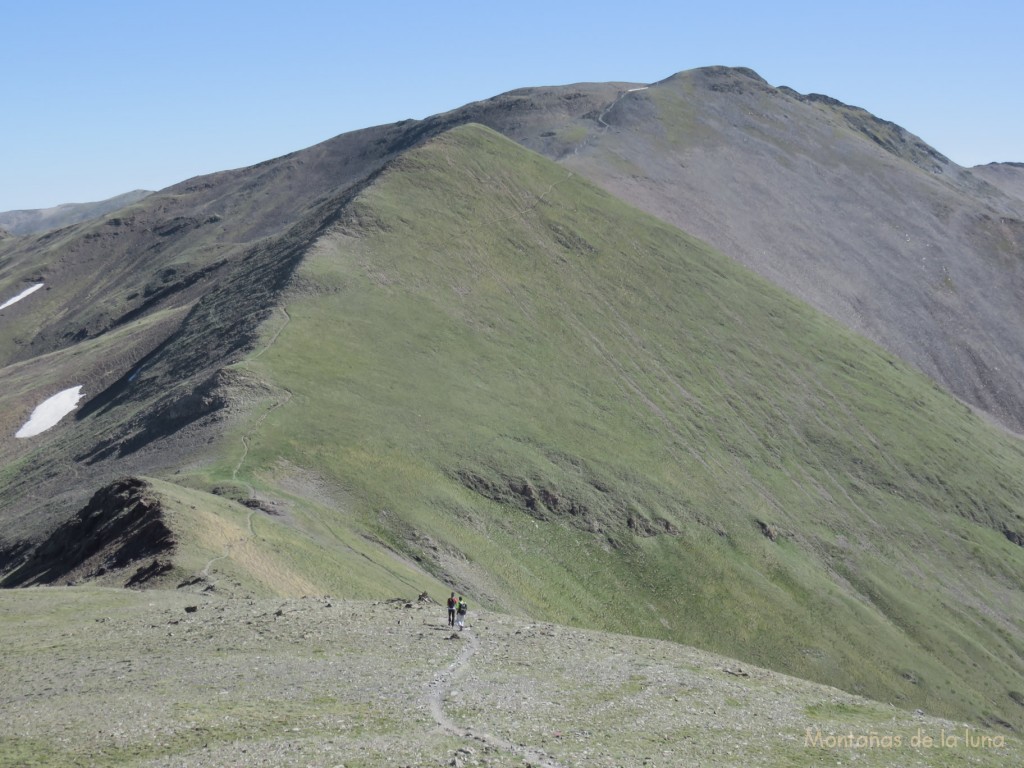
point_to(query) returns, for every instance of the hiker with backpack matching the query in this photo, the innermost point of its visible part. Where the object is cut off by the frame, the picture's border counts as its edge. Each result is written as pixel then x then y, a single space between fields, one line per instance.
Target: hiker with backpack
pixel 461 610
pixel 452 603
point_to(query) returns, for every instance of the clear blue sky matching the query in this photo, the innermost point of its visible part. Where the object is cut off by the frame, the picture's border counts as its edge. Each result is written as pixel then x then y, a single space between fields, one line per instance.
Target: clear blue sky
pixel 101 97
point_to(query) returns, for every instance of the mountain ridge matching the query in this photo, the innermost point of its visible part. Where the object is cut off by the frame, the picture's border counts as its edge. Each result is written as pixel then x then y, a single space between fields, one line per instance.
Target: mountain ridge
pixel 1009 177
pixel 32 221
pixel 464 364
pixel 585 497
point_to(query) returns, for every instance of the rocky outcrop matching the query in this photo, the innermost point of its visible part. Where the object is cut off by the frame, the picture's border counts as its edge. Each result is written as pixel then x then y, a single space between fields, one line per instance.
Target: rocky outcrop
pixel 599 513
pixel 123 527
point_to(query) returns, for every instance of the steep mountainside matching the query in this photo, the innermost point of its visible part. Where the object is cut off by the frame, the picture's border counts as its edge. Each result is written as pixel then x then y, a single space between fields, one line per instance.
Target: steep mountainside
pixel 531 389
pixel 175 284
pixel 42 219
pixel 851 213
pixel 424 356
pixel 848 212
pixel 128 287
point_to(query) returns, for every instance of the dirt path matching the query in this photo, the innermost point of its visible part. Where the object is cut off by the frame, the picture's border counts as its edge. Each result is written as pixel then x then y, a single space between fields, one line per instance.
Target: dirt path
pixel 440 688
pixel 205 573
pixel 283 400
pixel 605 127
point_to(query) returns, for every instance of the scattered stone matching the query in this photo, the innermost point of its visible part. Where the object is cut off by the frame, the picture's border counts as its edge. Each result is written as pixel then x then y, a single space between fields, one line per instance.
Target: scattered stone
pixel 191 608
pixel 504 699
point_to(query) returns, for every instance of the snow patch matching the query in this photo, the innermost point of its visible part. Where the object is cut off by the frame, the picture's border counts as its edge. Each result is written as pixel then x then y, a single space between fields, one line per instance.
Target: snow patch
pixel 22 295
pixel 50 411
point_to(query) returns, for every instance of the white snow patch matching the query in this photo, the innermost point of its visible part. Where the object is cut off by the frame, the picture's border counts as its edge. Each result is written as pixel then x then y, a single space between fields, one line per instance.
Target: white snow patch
pixel 22 295
pixel 50 411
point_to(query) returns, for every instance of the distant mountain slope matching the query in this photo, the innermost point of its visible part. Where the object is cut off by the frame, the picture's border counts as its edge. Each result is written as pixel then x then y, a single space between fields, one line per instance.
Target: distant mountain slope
pixel 849 212
pixel 175 285
pixel 1009 177
pixel 540 393
pixel 27 222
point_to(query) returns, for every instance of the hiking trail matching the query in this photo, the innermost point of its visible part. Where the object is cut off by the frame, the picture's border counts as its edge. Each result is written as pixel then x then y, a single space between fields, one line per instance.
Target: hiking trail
pixel 440 689
pixel 283 400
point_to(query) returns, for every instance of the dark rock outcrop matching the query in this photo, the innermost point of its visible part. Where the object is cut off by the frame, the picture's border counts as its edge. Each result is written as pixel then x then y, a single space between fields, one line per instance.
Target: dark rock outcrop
pixel 122 525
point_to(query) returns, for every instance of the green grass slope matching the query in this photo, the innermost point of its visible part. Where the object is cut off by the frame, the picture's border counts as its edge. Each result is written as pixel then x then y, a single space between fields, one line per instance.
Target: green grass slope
pixel 570 409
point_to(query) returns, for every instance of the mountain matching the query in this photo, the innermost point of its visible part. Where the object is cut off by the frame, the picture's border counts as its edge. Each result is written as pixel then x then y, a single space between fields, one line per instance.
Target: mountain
pixel 425 356
pixel 42 219
pixel 850 213
pixel 1009 177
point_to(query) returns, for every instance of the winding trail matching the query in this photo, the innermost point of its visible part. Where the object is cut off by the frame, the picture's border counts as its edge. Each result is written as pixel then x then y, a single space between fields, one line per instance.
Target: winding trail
pixel 205 573
pixel 605 127
pixel 439 690
pixel 256 424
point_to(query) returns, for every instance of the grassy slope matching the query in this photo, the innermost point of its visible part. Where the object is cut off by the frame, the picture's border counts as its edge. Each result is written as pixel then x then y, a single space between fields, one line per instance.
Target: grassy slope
pixel 484 314
pixel 266 556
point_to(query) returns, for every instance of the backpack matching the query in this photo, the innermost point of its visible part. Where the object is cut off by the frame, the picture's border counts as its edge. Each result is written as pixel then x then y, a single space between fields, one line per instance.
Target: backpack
pixel 463 607
pixel 451 603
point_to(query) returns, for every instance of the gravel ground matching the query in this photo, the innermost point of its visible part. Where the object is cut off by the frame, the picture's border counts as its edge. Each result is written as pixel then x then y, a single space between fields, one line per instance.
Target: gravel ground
pixel 105 677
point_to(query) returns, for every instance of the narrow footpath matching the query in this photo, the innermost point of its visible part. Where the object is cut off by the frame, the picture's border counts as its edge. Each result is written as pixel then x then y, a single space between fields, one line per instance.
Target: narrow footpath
pixel 282 400
pixel 439 690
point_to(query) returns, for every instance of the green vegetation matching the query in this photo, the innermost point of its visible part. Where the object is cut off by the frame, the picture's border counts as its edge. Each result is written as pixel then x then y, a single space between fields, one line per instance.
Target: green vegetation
pixel 473 370
pixel 573 410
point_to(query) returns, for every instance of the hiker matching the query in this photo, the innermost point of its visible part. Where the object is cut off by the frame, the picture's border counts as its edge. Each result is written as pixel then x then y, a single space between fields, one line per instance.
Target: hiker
pixel 451 610
pixel 461 610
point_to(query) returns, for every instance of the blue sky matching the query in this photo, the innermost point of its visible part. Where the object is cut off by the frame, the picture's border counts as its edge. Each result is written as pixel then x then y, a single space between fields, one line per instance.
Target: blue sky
pixel 101 97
